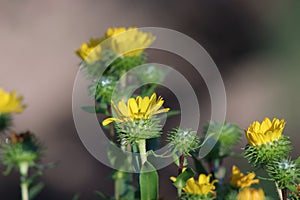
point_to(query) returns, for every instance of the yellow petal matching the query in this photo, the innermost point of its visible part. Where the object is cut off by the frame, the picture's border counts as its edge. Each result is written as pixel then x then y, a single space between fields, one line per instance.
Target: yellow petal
pixel 116 110
pixel 265 125
pixel 132 108
pixel 123 108
pixel 203 179
pixel 161 111
pixel 138 101
pixel 144 106
pixel 108 121
pixel 172 178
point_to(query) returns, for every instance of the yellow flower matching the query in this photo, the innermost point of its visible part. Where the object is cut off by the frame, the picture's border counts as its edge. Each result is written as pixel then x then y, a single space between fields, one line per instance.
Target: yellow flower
pixel 251 194
pixel 10 102
pixel 201 187
pixel 130 42
pixel 90 52
pixel 239 180
pixel 138 108
pixel 265 132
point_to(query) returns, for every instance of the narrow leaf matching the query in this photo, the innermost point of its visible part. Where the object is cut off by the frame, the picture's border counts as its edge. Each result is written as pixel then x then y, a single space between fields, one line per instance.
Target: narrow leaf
pixel 183 177
pixel 297 160
pixel 101 195
pixel 35 190
pixel 149 182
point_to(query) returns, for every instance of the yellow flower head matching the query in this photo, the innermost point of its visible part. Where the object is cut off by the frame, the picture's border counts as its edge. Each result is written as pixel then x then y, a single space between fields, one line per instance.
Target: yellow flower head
pixel 239 180
pixel 201 187
pixel 251 194
pixel 136 108
pixel 10 102
pixel 130 42
pixel 90 52
pixel 265 132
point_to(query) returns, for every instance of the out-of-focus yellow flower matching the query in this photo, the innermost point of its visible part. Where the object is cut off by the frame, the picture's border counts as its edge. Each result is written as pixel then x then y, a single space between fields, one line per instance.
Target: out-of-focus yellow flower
pixel 10 102
pixel 239 180
pixel 138 108
pixel 201 187
pixel 130 41
pixel 251 194
pixel 265 132
pixel 90 52
pixel 297 188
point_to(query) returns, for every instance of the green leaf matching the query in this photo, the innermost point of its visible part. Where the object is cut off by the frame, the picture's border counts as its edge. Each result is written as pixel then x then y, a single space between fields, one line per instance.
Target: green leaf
pixel 298 160
pixel 127 191
pixel 148 182
pixel 173 113
pixel 33 177
pixel 8 169
pixel 101 195
pixel 35 190
pixel 292 188
pixel 183 177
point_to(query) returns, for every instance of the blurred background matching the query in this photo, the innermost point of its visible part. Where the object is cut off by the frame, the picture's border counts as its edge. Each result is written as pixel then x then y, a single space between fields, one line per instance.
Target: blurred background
pixel 255 45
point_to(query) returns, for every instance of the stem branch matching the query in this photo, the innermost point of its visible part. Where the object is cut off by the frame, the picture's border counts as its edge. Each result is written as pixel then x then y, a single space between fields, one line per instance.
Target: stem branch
pixel 181 163
pixel 284 194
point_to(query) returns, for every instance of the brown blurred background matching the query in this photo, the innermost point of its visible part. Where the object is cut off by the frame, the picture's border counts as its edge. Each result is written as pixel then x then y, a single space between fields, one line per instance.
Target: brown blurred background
pixel 255 44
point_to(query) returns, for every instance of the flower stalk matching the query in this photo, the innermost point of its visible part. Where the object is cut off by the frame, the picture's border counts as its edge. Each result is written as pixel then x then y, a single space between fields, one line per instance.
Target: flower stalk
pixel 117 188
pixel 279 191
pixel 142 148
pixel 23 168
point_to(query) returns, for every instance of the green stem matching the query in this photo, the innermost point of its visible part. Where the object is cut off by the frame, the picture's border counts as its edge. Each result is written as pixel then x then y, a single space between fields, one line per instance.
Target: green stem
pixel 24 189
pixel 123 80
pixel 279 191
pixel 23 168
pixel 142 148
pixel 117 188
pixel 179 192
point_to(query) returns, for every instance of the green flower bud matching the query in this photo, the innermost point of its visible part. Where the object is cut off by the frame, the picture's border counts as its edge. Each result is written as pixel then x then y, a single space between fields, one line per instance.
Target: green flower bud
pixel 183 141
pixel 19 149
pixel 285 172
pixel 103 89
pixel 136 130
pixel 269 152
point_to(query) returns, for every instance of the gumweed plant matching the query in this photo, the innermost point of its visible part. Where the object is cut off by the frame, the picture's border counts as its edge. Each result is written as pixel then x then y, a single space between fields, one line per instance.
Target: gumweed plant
pixel 20 151
pixel 134 116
